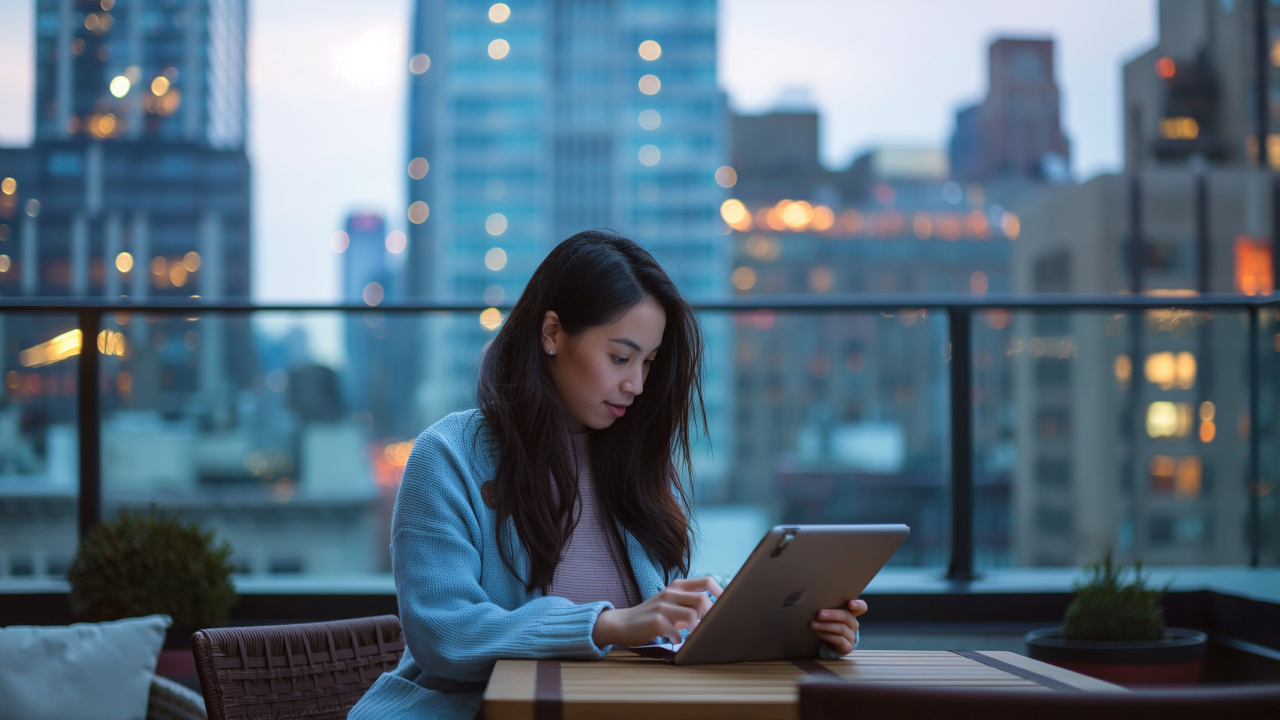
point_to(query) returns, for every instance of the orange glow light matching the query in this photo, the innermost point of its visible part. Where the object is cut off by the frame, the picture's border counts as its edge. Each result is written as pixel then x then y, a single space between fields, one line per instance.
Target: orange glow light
pixel 1165 68
pixel 1253 266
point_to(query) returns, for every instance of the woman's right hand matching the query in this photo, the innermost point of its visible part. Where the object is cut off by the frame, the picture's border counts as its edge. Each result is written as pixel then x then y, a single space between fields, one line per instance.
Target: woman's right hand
pixel 679 606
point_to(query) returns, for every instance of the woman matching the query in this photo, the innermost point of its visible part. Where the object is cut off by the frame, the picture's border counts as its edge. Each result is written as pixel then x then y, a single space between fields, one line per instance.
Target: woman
pixel 552 522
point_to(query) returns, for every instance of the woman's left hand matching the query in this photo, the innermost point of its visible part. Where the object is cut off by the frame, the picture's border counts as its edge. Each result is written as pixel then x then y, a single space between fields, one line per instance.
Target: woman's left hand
pixel 839 627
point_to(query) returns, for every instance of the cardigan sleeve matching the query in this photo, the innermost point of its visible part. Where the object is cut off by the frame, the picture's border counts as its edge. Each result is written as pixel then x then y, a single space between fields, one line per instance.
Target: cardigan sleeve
pixel 451 626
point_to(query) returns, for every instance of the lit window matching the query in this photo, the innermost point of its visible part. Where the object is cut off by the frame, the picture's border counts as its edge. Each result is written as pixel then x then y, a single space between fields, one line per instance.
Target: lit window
pixel 823 218
pixel 726 177
pixel 650 155
pixel 178 274
pixel 797 215
pixel 490 319
pixel 650 50
pixel 1123 369
pixel 1171 370
pixel 499 12
pixel 160 86
pixel 418 212
pixel 821 279
pixel 650 84
pixel 1168 419
pixel 119 86
pixel 1253 266
pixel 1010 226
pixel 499 48
pixel 339 241
pixel 495 224
pixel 5 263
pixel 124 262
pixel 978 282
pixel 495 259
pixel 1179 128
pixel 735 214
pixel 191 261
pixel 8 186
pixel 396 242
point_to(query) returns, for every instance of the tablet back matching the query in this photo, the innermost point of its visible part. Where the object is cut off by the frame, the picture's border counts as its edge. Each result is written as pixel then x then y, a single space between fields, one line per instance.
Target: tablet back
pixel 796 570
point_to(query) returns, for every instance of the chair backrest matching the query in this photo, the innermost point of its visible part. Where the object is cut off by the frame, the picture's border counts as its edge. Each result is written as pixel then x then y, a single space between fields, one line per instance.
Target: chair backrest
pixel 314 670
pixel 841 700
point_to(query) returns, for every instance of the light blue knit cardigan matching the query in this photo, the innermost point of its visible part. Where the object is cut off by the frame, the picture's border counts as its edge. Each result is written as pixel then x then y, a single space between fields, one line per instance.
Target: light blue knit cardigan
pixel 460 606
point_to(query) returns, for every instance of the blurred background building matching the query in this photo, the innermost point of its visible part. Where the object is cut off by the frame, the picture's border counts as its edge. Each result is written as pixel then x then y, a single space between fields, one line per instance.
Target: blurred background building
pixel 1135 425
pixel 530 123
pixel 526 123
pixel 138 186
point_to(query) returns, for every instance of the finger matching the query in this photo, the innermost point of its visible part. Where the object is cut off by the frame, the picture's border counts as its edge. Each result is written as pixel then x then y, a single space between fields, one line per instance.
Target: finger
pixel 857 607
pixel 841 645
pixel 843 616
pixel 679 614
pixel 697 600
pixel 667 630
pixel 840 629
pixel 702 584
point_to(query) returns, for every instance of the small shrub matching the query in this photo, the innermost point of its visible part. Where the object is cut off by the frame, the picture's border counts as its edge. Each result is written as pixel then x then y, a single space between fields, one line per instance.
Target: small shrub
pixel 1106 608
pixel 145 563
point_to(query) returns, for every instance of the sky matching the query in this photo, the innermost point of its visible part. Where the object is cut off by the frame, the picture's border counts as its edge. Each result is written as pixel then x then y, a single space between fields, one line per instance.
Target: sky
pixel 327 90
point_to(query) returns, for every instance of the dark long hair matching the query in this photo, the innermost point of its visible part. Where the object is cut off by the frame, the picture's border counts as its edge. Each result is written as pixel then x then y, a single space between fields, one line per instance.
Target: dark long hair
pixel 589 280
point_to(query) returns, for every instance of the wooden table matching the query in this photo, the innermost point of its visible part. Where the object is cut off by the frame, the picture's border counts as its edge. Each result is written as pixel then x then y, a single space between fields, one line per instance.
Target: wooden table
pixel 628 687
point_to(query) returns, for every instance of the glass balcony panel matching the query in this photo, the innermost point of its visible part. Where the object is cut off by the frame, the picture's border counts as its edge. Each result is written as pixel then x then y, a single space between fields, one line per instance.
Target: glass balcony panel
pixel 1122 432
pixel 39 461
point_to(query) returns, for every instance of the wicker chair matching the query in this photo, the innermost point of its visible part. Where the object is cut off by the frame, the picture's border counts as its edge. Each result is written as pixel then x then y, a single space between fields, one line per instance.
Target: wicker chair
pixel 838 700
pixel 316 670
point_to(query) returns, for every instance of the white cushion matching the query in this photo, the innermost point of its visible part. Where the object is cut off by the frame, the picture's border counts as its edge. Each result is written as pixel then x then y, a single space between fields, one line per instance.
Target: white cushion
pixel 87 671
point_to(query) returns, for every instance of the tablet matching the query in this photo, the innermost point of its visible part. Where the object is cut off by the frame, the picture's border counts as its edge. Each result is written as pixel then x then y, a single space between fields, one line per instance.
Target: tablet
pixel 796 570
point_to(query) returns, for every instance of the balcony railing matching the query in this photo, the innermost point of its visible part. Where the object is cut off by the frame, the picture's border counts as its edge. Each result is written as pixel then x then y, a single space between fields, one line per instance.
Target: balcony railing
pixel 959 310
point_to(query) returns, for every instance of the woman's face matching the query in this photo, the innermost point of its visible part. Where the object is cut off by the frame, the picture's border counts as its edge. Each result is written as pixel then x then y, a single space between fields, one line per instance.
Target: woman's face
pixel 599 372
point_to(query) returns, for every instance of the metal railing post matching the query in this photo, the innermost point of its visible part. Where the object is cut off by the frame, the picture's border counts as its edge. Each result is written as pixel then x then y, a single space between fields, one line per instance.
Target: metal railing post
pixel 88 418
pixel 1255 446
pixel 961 566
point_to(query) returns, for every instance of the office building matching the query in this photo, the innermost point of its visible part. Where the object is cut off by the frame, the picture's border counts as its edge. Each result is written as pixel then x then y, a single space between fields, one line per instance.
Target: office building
pixel 1015 132
pixel 1135 426
pixel 138 186
pixel 532 121
pixel 379 345
pixel 841 417
pixel 1193 93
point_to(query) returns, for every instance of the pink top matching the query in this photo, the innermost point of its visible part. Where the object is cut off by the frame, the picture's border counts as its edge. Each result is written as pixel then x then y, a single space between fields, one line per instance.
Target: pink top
pixel 587 571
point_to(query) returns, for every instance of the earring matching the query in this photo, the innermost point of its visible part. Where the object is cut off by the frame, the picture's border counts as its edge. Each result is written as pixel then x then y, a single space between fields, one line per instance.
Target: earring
pixel 551 352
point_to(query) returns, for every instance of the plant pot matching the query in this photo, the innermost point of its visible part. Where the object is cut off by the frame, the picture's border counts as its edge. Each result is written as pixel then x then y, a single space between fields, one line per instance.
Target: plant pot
pixel 176 660
pixel 1176 660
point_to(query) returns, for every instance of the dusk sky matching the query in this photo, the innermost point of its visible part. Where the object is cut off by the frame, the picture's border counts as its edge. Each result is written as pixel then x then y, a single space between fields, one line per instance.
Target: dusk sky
pixel 327 81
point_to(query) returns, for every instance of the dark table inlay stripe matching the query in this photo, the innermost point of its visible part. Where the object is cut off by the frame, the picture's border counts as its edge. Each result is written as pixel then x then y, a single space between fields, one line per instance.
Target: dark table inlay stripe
pixel 815 668
pixel 1023 673
pixel 548 701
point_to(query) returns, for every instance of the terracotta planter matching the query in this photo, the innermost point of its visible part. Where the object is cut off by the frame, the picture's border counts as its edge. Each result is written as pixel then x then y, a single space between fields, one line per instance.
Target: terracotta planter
pixel 1176 660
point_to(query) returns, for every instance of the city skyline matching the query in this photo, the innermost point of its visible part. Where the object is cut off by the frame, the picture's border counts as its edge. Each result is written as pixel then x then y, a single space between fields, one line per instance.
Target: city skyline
pixel 346 63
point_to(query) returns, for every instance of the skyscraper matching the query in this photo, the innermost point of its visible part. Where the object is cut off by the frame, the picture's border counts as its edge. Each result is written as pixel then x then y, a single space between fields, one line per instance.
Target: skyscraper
pixel 1016 131
pixel 379 345
pixel 531 121
pixel 139 154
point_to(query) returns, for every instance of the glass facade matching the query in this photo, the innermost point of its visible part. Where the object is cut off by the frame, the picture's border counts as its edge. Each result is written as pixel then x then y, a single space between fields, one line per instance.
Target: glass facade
pixel 549 118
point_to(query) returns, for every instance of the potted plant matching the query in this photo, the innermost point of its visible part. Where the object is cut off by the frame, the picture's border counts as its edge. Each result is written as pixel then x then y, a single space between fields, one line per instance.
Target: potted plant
pixel 1115 631
pixel 147 563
